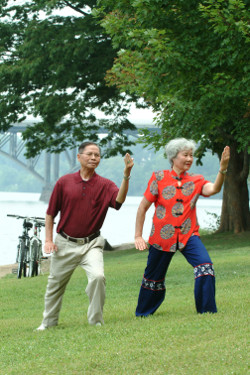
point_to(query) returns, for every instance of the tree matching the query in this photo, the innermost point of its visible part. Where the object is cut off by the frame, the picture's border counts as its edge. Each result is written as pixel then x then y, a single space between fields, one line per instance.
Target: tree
pixel 189 60
pixel 53 59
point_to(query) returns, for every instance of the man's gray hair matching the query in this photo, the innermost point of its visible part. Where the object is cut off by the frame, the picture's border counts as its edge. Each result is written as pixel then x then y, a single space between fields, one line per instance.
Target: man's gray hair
pixel 176 145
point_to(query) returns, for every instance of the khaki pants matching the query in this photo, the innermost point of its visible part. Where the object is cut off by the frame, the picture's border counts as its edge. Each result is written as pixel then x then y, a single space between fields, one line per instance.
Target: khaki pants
pixel 63 263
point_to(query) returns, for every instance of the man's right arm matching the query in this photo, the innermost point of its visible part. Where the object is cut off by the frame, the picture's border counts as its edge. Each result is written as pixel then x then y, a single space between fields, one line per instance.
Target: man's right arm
pixel 49 246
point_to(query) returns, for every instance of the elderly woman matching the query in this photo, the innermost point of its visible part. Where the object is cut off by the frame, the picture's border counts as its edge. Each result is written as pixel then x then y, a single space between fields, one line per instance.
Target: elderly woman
pixel 175 193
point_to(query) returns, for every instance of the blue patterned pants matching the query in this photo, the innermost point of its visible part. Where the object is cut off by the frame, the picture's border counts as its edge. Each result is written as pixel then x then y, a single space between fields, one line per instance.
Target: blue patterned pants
pixel 152 292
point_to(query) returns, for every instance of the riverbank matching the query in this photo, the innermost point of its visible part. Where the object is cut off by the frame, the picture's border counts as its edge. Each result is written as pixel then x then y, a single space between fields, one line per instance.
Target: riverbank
pixel 12 268
pixel 7 269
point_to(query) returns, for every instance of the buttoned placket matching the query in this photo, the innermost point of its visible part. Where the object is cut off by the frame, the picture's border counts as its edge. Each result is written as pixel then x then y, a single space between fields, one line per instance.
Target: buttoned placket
pixel 84 189
pixel 178 199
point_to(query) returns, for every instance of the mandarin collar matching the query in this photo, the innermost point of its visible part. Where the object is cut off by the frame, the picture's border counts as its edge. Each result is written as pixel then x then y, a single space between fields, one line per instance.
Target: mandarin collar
pixel 175 175
pixel 91 181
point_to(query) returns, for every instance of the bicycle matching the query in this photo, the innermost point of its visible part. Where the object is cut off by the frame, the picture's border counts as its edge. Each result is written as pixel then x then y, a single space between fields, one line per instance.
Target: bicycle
pixel 29 249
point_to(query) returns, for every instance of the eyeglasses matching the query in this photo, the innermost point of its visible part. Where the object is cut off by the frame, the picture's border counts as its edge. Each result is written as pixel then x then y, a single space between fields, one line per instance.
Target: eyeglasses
pixel 89 154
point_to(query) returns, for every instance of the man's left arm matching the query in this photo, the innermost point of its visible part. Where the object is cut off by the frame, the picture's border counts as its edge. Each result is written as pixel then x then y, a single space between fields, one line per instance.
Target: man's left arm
pixel 122 193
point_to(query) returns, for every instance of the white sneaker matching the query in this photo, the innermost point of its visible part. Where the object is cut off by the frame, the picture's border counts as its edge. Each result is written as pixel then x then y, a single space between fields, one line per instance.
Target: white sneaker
pixel 98 324
pixel 42 327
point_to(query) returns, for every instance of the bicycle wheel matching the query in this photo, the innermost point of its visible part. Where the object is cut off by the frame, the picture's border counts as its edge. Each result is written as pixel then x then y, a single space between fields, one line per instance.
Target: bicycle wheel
pixel 24 269
pixel 34 257
pixel 40 255
pixel 20 259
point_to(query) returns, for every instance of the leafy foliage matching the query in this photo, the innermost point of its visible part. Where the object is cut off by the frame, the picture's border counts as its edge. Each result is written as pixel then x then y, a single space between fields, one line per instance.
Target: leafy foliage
pixel 53 59
pixel 189 61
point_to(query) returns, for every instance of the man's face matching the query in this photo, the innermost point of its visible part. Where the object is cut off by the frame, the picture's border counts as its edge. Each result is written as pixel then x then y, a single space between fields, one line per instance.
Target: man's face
pixel 90 157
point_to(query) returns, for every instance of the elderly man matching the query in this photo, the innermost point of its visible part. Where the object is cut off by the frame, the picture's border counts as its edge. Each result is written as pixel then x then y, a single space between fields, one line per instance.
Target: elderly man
pixel 83 199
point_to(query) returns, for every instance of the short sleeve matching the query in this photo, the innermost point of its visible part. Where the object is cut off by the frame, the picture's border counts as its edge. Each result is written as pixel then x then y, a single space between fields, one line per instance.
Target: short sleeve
pixel 112 191
pixel 151 193
pixel 55 200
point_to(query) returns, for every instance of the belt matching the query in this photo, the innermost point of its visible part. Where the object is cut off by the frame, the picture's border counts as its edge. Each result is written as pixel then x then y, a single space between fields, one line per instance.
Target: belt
pixel 80 241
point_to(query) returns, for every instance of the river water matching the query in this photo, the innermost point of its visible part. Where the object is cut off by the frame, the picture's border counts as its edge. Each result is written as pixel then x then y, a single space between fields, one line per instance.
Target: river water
pixel 118 227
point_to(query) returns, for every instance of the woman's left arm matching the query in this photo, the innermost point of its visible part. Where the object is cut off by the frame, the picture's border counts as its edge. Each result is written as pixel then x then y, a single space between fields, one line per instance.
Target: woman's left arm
pixel 214 188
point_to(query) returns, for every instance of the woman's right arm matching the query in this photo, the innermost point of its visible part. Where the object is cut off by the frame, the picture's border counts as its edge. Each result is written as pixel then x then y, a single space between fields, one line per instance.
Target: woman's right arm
pixel 140 244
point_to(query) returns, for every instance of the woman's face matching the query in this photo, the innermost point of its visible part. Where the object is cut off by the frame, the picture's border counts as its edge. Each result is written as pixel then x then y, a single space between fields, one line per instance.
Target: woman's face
pixel 183 161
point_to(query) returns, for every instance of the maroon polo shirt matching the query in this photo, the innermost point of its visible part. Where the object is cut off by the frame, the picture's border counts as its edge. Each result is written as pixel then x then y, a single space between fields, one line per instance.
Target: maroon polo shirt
pixel 83 205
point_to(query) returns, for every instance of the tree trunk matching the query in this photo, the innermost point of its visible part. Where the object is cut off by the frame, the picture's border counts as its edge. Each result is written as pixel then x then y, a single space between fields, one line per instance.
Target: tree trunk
pixel 235 214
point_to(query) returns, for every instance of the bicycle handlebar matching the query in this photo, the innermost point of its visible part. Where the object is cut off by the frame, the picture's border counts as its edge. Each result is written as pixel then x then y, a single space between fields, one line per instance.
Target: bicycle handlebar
pixel 33 218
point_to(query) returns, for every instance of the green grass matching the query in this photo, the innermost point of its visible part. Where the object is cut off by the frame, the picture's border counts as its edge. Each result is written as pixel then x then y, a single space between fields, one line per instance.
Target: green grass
pixel 176 340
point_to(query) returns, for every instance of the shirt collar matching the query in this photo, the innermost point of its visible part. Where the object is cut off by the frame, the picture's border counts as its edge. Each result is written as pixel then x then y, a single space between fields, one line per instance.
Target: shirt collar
pixel 175 175
pixel 91 181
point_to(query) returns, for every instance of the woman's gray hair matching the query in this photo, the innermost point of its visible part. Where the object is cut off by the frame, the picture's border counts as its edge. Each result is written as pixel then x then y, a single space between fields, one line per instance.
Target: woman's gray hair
pixel 176 145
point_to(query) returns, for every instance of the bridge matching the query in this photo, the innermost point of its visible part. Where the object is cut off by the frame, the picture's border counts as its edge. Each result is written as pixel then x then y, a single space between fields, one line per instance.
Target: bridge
pixel 13 146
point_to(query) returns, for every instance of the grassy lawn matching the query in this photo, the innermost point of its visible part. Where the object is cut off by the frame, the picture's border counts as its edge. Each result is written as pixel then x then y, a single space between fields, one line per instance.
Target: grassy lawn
pixel 176 340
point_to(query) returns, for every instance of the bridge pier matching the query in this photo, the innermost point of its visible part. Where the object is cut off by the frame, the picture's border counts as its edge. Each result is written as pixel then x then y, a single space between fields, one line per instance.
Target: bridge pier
pixel 46 193
pixel 50 181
